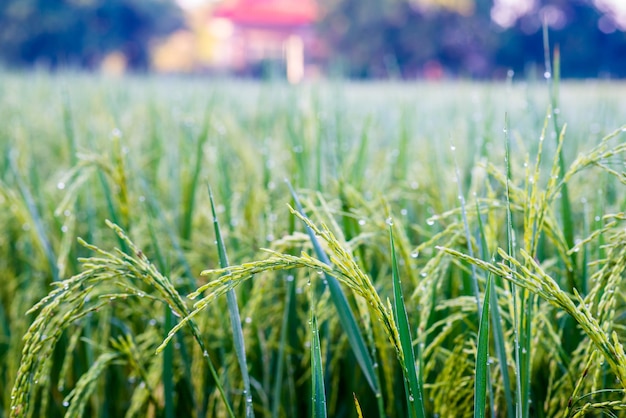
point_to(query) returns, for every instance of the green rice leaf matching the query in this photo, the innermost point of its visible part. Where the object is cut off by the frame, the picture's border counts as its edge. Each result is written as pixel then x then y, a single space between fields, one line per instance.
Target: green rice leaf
pixel 498 332
pixel 482 356
pixel 317 387
pixel 413 391
pixel 235 318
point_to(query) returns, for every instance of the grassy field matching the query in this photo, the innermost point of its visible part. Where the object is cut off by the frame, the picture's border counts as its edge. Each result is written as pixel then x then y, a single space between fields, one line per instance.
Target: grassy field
pixel 454 249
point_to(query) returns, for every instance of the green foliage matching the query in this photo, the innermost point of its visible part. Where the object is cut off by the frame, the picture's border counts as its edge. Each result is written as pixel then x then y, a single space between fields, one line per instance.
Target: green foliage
pixel 434 38
pixel 145 316
pixel 79 33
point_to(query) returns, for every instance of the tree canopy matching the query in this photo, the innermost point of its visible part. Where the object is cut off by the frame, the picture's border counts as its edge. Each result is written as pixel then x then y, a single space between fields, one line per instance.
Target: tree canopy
pixel 369 38
pixel 375 38
pixel 80 32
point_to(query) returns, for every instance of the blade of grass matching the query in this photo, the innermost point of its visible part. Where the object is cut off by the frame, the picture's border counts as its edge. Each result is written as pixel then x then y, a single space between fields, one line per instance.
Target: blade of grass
pixel 498 332
pixel 553 80
pixel 510 237
pixel 168 369
pixel 346 317
pixel 233 313
pixel 482 356
pixel 190 191
pixel 318 394
pixel 413 391
pixel 278 385
pixel 168 352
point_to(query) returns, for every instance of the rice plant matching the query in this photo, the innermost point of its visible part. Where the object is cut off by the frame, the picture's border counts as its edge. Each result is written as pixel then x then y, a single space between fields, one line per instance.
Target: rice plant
pixel 438 249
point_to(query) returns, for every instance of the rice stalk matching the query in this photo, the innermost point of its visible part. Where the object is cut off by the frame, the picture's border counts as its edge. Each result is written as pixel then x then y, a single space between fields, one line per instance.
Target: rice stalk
pixel 482 364
pixel 535 280
pixel 233 313
pixel 413 391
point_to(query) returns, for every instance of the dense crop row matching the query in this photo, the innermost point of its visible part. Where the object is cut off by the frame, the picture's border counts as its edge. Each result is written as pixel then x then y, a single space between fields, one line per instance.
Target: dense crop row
pixel 450 249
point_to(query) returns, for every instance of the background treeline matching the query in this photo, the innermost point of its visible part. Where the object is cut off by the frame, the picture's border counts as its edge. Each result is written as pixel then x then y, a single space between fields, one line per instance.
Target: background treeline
pixel 364 38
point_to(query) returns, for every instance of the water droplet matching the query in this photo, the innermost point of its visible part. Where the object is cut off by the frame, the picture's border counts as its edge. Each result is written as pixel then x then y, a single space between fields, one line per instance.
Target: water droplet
pixel 152 322
pixel 67 212
pixel 423 274
pixel 269 237
pixel 415 254
pixel 142 198
pixel 116 133
pixel 66 404
pixel 60 185
pixel 389 221
pixel 547 75
pixel 415 185
pixel 64 228
pixel 452 148
pixel 411 398
pixel 510 73
pixel 290 278
pixel 205 353
pixel 597 218
pixel 430 222
pixel 404 211
pixel 361 222
pixel 248 320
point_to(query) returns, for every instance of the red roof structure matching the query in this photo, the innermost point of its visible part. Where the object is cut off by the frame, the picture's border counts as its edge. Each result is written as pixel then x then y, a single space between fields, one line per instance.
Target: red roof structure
pixel 269 12
pixel 269 33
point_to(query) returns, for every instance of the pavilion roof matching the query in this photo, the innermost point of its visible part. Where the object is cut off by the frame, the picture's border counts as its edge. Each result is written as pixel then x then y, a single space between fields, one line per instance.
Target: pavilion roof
pixel 268 12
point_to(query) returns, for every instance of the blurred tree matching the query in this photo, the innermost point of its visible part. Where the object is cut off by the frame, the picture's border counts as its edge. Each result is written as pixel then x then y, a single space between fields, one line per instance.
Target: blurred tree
pixel 413 37
pixel 400 38
pixel 81 32
pixel 590 41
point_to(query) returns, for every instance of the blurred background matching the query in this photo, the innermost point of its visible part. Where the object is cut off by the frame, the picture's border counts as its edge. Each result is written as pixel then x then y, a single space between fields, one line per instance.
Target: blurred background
pixel 308 39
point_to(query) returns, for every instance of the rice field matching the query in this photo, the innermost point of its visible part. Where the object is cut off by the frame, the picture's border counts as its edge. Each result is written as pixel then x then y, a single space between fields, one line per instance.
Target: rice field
pixel 195 247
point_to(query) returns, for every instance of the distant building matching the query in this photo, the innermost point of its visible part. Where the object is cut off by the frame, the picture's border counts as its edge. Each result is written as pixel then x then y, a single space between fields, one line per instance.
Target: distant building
pixel 252 35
